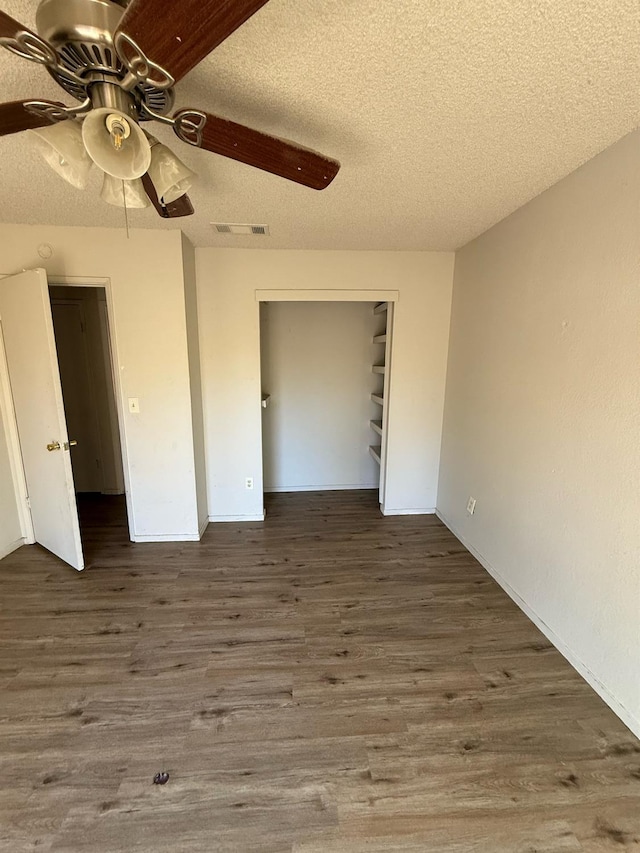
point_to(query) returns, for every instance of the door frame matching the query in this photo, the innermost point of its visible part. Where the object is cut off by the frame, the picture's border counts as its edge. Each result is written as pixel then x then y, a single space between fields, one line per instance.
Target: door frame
pixel 329 295
pixel 92 281
pixel 6 402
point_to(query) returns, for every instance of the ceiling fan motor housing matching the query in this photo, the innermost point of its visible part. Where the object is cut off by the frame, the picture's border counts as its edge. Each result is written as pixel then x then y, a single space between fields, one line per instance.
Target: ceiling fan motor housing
pixel 81 32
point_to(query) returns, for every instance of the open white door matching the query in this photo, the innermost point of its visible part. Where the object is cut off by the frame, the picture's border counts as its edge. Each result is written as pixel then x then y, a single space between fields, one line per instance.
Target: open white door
pixel 30 348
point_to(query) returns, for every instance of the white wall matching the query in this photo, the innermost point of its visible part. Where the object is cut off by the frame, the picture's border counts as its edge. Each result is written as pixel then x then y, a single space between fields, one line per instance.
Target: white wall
pixel 543 412
pixel 316 364
pixel 146 285
pixel 230 349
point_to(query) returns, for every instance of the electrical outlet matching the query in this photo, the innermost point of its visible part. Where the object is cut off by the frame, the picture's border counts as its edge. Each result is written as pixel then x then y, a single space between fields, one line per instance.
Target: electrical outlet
pixel 471 506
pixel 248 483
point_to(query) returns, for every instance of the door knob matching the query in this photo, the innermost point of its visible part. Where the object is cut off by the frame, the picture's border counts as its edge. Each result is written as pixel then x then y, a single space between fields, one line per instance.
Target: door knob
pixel 54 445
pixel 71 443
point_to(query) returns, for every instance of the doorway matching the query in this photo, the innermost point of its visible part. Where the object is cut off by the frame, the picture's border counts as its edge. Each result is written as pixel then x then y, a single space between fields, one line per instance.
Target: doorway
pixel 83 344
pixel 325 370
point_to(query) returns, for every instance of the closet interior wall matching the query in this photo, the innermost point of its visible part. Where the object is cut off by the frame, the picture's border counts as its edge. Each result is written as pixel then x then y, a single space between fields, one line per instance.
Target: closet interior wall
pixel 316 363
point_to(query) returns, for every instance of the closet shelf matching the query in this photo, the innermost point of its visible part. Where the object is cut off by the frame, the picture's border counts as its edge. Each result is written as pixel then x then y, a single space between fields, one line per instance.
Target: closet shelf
pixel 375 450
pixel 380 339
pixel 376 426
pixel 378 368
pixel 377 399
pixel 381 308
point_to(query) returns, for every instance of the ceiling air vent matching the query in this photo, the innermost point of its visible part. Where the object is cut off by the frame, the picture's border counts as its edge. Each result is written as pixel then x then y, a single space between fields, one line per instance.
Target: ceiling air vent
pixel 240 228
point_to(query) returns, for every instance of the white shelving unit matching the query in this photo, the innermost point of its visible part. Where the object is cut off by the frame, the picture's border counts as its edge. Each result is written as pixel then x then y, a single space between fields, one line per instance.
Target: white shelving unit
pixel 383 314
pixel 376 451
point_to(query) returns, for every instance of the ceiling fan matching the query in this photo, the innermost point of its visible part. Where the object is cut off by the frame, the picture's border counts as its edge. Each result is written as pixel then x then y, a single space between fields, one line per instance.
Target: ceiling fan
pixel 121 60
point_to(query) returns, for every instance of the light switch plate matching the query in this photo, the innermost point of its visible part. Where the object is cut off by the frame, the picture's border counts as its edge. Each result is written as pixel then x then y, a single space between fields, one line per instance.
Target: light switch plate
pixel 134 405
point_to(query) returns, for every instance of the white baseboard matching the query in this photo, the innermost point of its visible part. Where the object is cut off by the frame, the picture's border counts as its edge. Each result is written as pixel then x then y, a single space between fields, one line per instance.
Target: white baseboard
pixel 629 719
pixel 167 537
pixel 430 510
pixel 203 526
pixel 11 547
pixel 223 518
pixel 334 487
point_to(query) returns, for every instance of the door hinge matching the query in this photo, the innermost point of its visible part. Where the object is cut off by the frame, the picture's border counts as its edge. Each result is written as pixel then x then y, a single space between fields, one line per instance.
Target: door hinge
pixel 28 502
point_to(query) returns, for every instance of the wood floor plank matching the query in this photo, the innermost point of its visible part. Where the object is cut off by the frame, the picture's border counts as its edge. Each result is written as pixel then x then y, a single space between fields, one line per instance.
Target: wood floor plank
pixel 330 681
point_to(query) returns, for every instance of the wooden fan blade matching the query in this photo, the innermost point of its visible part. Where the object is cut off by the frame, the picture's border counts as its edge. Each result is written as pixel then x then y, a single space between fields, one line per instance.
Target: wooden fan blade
pixel 179 39
pixel 269 153
pixel 14 117
pixel 10 28
pixel 180 207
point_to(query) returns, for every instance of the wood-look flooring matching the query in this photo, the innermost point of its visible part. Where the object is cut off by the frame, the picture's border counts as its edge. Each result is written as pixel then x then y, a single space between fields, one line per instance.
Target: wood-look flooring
pixel 330 681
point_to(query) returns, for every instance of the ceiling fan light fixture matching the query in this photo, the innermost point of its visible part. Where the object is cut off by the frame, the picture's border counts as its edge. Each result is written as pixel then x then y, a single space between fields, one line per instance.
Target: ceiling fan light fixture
pixel 171 178
pixel 62 147
pixel 120 59
pixel 116 144
pixel 134 193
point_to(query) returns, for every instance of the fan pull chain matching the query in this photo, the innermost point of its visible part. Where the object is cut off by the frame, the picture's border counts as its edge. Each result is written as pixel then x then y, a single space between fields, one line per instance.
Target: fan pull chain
pixel 124 201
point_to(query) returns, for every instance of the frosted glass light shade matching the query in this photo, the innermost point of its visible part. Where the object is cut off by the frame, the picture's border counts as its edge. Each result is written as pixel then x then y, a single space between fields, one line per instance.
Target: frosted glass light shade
pixel 62 147
pixel 131 161
pixel 171 178
pixel 133 192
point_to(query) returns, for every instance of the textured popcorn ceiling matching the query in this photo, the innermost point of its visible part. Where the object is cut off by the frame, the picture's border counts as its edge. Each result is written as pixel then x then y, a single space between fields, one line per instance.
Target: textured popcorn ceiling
pixel 446 116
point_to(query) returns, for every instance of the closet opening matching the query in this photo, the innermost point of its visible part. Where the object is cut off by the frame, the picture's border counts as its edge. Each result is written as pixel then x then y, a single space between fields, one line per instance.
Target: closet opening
pixel 325 373
pixel 83 344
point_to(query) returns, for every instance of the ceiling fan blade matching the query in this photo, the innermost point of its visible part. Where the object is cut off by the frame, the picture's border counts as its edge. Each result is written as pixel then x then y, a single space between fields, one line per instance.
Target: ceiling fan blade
pixel 14 117
pixel 278 156
pixel 10 28
pixel 180 207
pixel 179 39
pixel 25 43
